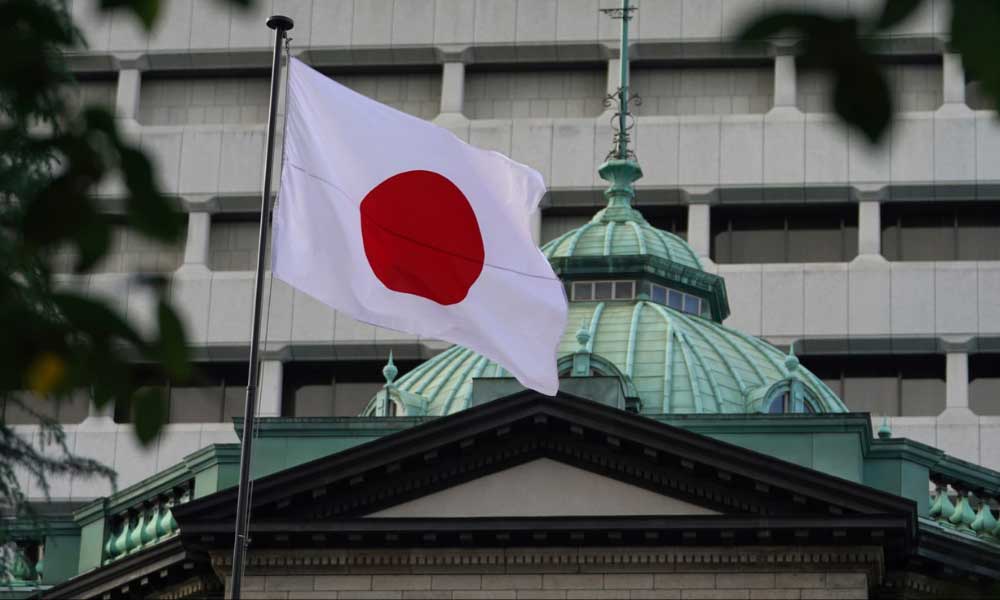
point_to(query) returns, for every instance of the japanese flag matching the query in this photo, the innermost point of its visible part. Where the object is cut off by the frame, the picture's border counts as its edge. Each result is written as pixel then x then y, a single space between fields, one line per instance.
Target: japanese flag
pixel 398 223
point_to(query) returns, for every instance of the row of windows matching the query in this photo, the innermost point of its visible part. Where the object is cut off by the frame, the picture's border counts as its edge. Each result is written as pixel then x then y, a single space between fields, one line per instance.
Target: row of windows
pixel 583 291
pixel 900 385
pixel 740 234
pixel 753 234
pixel 555 90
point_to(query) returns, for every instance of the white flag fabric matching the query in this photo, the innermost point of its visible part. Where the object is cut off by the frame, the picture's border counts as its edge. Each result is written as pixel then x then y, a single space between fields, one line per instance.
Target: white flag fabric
pixel 398 223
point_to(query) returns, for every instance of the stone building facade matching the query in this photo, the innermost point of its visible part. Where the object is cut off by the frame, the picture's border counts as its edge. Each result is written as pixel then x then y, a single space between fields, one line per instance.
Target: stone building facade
pixel 880 265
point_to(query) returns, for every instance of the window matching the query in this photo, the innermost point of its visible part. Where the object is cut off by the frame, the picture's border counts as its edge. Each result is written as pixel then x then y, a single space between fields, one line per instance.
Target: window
pixel 128 252
pixel 334 388
pixel 215 394
pixel 603 290
pixel 891 385
pixel 936 231
pixel 535 92
pixel 780 234
pixel 782 403
pixel 984 384
pixel 703 90
pixel 675 299
pixel 917 85
pixel 70 409
pixel 233 242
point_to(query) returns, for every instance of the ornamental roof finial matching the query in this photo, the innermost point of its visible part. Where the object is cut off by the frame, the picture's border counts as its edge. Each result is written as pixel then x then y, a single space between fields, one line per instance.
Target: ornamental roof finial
pixel 620 168
pixel 791 361
pixel 389 371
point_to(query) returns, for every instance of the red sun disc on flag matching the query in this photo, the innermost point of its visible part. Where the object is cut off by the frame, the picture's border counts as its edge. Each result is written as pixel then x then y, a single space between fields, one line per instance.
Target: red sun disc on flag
pixel 421 236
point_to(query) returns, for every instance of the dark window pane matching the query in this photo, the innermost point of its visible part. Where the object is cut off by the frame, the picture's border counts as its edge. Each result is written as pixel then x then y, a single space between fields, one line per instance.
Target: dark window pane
pixel 624 290
pixel 984 384
pixel 984 396
pixel 922 397
pixel 691 305
pixel 979 232
pixel 877 395
pixel 659 294
pixel 675 299
pixel 815 238
pixel 908 385
pixel 314 401
pixel 196 404
pixel 928 237
pixel 784 233
pixel 351 398
pixel 583 291
pixel 603 290
pixel 758 240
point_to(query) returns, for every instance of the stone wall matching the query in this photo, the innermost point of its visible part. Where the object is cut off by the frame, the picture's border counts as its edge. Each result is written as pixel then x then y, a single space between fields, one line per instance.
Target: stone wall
pixel 561 573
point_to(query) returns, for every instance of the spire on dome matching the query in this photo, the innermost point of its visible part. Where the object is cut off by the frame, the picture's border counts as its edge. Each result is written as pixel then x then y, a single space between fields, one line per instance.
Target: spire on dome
pixel 389 371
pixel 620 168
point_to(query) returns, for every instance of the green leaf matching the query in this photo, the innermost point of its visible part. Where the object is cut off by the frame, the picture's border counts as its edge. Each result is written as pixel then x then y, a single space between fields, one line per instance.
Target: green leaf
pixel 896 11
pixel 871 111
pixel 95 319
pixel 173 343
pixel 149 411
pixel 145 10
pixel 833 46
pixel 974 27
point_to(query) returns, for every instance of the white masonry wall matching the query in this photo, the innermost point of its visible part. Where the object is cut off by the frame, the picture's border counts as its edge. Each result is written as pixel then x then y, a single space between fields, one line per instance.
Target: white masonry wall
pixel 707 132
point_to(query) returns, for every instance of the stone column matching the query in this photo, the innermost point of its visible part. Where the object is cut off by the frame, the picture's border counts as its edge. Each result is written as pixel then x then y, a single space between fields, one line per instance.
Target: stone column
pixel 614 75
pixel 453 87
pixel 785 78
pixel 199 231
pixel 958 431
pixel 957 381
pixel 954 78
pixel 699 229
pixel 269 388
pixel 869 227
pixel 127 94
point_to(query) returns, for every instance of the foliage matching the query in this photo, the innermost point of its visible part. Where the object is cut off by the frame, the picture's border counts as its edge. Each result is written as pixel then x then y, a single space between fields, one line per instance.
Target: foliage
pixel 846 49
pixel 54 161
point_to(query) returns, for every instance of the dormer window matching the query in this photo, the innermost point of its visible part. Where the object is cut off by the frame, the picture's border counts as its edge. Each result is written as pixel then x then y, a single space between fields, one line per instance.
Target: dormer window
pixel 675 299
pixel 604 290
pixel 782 402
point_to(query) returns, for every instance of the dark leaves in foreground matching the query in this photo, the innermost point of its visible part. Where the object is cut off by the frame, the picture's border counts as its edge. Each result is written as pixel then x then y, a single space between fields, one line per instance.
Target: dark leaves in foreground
pixel 844 48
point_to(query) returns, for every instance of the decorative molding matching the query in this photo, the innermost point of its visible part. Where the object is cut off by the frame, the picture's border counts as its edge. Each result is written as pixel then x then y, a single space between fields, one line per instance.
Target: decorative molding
pixel 567 559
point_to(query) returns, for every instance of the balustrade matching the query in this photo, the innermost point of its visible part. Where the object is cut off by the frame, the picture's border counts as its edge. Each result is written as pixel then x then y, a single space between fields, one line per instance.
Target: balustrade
pixel 964 509
pixel 145 523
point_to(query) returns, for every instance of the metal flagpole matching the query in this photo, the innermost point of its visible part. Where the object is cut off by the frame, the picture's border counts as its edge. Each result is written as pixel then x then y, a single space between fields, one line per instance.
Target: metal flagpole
pixel 280 24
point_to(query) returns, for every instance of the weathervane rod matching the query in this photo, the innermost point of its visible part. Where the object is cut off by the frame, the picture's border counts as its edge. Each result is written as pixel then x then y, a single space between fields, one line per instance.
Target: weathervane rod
pixel 623 88
pixel 281 25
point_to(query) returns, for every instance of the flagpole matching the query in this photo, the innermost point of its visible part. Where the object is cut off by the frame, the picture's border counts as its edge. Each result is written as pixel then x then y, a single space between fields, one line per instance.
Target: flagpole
pixel 280 24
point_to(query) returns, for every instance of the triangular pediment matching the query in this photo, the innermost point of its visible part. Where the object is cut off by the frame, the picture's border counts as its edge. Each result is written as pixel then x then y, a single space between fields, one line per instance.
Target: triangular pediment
pixel 542 488
pixel 533 456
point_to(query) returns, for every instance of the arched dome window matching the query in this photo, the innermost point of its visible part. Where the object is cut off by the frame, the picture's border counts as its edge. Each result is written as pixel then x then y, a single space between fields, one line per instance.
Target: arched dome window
pixel 790 397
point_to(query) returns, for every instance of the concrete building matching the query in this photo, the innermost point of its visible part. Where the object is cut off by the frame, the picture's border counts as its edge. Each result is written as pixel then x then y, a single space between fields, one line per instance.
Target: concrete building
pixel 881 265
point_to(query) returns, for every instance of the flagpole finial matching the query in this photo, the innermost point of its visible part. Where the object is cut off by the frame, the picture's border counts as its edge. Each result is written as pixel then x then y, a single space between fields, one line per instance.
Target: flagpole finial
pixel 280 22
pixel 620 168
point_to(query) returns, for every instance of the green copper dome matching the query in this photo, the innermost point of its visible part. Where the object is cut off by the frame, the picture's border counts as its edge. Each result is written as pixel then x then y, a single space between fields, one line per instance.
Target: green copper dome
pixel 619 229
pixel 675 363
pixel 602 237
